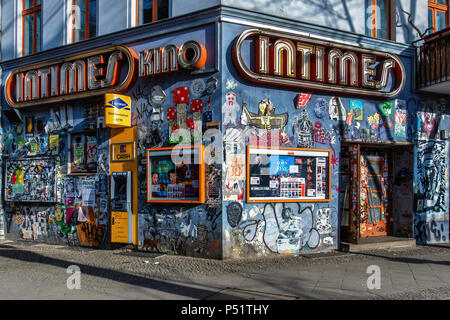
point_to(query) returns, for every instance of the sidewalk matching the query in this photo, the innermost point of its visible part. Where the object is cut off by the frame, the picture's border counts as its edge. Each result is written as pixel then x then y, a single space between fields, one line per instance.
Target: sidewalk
pixel 38 271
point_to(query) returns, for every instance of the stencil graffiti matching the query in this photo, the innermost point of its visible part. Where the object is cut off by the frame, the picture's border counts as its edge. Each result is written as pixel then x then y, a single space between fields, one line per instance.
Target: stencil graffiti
pixel 431 220
pixel 279 228
pixel 305 131
pixel 234 213
pixel 230 109
pixel 336 109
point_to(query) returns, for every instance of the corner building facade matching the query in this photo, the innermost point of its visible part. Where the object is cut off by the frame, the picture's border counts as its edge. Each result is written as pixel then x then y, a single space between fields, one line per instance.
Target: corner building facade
pixel 223 133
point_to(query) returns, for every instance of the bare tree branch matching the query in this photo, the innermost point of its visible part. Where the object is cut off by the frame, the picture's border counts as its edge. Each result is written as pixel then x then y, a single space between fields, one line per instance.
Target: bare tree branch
pixel 421 35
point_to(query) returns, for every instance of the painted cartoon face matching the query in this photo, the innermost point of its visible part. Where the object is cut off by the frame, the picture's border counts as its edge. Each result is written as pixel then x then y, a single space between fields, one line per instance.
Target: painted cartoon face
pixel 263 107
pixel 430 178
pixel 58 213
pixel 428 120
pixel 374 121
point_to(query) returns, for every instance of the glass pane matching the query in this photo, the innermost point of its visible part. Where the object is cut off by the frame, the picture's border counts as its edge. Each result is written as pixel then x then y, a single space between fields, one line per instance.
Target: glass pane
pixel 38 2
pixel 28 4
pixel 28 35
pixel 163 9
pixel 430 20
pixel 374 167
pixel 374 199
pixel 440 20
pixel 79 20
pixel 368 18
pixel 92 18
pixel 382 19
pixel 38 32
pixel 375 183
pixel 441 1
pixel 147 10
pixel 374 215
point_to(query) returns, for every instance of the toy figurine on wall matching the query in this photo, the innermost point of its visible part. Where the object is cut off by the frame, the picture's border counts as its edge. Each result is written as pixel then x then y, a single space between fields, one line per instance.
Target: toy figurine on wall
pixel 266 117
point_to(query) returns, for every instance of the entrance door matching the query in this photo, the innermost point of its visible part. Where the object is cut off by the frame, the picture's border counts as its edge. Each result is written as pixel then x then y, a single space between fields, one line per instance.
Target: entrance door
pixel 374 198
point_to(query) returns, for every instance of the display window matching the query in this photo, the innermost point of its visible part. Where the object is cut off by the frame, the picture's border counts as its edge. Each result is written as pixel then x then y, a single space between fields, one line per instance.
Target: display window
pixel 83 152
pixel 176 175
pixel 288 175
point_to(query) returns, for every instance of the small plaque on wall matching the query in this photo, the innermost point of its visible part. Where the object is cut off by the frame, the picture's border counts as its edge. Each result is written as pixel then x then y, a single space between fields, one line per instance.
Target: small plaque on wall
pixel 123 151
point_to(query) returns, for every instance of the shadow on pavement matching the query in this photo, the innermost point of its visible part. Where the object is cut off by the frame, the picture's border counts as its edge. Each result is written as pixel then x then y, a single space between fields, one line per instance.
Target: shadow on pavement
pixel 18 254
pixel 404 259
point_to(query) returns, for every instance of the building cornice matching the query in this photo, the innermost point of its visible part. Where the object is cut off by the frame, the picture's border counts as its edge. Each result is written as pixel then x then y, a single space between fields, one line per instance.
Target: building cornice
pixel 209 16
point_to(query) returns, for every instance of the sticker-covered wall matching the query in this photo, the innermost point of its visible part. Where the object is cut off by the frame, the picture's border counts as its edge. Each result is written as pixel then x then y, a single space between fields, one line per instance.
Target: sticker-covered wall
pixel 431 183
pixel 173 109
pixel 271 116
pixel 161 108
pixel 56 166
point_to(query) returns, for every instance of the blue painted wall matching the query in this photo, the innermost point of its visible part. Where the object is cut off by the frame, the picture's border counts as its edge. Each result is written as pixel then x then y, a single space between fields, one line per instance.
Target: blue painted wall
pixel 259 230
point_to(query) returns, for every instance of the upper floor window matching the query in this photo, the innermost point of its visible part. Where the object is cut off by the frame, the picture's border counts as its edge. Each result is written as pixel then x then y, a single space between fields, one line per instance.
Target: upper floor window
pixel 377 18
pixel 84 14
pixel 437 14
pixel 152 10
pixel 31 26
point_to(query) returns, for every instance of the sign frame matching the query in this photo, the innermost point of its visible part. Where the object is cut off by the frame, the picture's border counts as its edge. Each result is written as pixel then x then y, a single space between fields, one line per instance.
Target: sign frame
pixel 122 85
pixel 263 73
pixel 201 176
pixel 133 143
pixel 287 151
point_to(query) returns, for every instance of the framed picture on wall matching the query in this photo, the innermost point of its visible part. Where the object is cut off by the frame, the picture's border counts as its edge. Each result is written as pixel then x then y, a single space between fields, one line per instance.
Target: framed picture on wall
pixel 83 152
pixel 288 175
pixel 176 175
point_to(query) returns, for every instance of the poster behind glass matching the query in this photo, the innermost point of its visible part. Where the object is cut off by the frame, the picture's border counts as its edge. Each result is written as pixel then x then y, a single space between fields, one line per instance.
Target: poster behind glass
pixel 288 175
pixel 171 180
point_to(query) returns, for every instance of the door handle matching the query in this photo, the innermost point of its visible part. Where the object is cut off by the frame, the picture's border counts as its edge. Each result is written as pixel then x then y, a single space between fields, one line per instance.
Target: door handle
pixel 113 220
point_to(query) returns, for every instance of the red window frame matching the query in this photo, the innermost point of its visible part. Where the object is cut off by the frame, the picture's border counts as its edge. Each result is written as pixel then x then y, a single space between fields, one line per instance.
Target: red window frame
pixel 34 11
pixel 86 21
pixel 437 7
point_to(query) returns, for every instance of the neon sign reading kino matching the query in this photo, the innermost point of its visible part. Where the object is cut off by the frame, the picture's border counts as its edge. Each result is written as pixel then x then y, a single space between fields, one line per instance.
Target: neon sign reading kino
pixel 293 60
pixel 110 70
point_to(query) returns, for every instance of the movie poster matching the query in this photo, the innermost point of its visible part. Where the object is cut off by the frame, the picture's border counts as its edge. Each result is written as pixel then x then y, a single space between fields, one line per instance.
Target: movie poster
pixel 177 181
pixel 288 175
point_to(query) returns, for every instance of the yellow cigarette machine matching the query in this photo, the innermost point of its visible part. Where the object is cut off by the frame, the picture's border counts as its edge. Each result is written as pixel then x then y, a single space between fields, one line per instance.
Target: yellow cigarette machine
pixel 121 207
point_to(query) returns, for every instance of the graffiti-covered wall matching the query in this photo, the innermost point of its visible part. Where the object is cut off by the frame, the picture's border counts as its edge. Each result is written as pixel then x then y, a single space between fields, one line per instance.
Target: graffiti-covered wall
pixel 56 166
pixel 312 120
pixel 431 183
pixel 167 108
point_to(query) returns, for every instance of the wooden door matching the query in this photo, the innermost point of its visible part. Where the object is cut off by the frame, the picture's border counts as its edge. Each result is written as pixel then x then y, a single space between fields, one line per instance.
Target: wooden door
pixel 374 199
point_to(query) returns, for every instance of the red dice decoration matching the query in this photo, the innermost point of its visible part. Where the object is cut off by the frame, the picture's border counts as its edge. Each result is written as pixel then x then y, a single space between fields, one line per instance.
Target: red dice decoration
pixel 190 123
pixel 181 95
pixel 171 113
pixel 196 105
